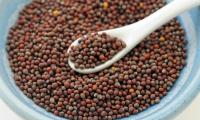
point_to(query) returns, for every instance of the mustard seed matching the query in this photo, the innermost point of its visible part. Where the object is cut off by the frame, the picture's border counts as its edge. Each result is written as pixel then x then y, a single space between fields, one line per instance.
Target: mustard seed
pixel 37 52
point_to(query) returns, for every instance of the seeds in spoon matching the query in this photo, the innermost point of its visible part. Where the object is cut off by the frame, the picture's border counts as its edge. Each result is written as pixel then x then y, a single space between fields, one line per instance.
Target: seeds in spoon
pixel 94 50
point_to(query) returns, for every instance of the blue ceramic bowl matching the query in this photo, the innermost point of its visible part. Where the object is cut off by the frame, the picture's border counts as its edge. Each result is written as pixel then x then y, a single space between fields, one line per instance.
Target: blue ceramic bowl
pixel 179 97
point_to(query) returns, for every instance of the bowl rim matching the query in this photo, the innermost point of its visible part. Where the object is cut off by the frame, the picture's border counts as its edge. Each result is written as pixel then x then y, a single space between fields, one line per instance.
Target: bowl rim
pixel 20 108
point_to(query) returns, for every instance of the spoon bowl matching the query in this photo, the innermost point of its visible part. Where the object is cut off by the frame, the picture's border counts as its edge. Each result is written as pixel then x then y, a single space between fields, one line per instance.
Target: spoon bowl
pixel 115 58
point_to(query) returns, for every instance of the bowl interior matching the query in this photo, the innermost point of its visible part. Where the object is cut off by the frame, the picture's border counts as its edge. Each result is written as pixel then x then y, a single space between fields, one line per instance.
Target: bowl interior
pixel 181 94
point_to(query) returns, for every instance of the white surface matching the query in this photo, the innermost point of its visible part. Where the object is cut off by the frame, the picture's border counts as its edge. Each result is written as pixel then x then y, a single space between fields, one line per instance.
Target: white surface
pixel 191 113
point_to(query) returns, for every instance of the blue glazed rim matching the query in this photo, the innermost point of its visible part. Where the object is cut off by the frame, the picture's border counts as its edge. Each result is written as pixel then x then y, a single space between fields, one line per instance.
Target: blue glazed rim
pixel 178 98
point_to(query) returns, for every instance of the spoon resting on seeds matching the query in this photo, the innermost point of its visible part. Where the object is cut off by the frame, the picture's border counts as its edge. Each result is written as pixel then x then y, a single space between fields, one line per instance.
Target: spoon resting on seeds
pixel 97 51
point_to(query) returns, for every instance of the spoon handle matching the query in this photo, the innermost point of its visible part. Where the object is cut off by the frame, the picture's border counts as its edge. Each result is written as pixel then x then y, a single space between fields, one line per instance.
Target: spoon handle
pixel 160 17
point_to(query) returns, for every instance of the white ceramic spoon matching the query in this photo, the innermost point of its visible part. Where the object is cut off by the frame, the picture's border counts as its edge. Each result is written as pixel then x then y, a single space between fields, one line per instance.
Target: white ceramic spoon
pixel 136 32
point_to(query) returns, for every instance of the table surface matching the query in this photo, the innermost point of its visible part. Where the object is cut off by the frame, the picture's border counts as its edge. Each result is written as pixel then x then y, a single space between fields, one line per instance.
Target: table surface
pixel 190 113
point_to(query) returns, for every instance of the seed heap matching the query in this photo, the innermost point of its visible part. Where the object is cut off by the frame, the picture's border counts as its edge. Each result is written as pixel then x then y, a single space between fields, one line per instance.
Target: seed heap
pixel 37 46
pixel 95 49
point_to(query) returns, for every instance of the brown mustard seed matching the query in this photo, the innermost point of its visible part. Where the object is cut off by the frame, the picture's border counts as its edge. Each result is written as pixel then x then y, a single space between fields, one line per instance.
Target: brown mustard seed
pixel 94 50
pixel 37 52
